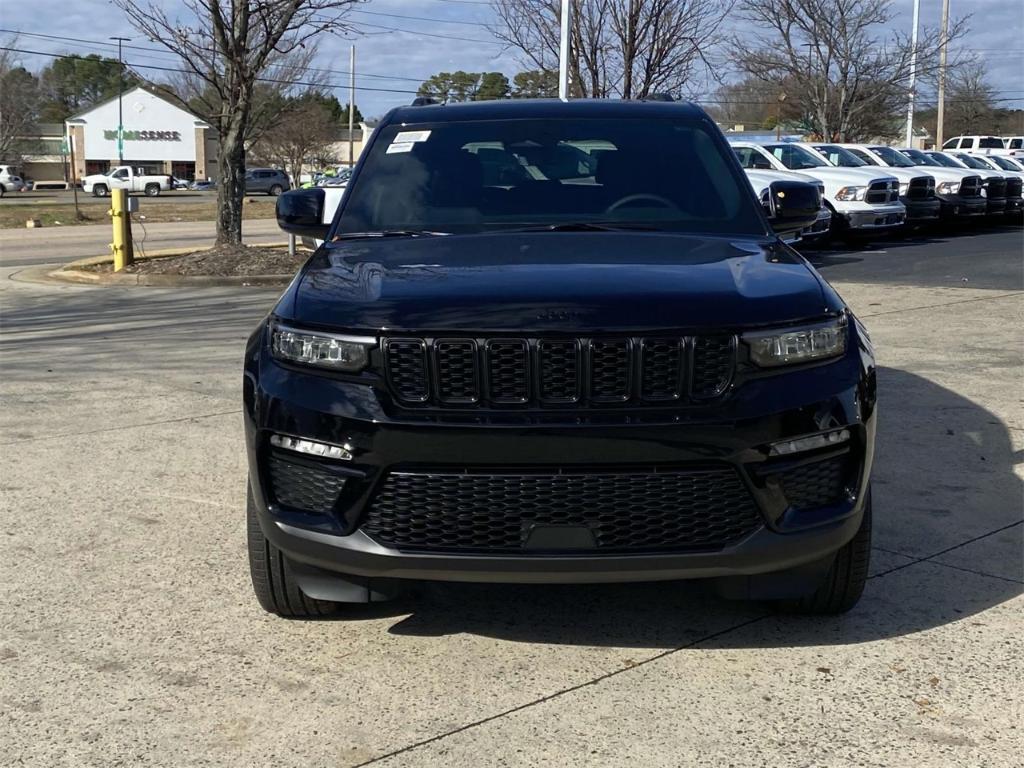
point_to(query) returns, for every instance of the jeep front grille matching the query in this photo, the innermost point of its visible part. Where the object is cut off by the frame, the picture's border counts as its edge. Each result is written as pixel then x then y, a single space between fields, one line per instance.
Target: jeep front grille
pixel 525 372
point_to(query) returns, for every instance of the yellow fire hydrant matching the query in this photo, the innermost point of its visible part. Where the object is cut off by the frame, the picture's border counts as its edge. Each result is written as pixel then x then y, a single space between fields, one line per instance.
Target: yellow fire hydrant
pixel 122 221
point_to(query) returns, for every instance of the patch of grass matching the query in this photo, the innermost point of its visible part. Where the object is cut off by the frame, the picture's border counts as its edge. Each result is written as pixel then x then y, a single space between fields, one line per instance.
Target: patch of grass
pixel 62 214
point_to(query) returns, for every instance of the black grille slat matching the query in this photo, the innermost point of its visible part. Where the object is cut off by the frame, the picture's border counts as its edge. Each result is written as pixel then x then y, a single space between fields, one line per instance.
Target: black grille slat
pixel 304 487
pixel 1013 187
pixel 970 186
pixel 921 188
pixel 611 370
pixel 636 510
pixel 559 368
pixel 458 378
pixel 883 192
pixel 406 361
pixel 508 371
pixel 557 371
pixel 661 369
pixel 817 484
pixel 713 363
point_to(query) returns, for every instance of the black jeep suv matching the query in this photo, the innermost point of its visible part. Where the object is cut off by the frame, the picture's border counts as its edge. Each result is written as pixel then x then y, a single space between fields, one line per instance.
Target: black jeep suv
pixel 551 342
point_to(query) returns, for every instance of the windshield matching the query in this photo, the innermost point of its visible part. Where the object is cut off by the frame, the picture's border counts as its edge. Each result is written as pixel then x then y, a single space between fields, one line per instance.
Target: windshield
pixel 476 176
pixel 973 162
pixel 795 158
pixel 840 156
pixel 1002 162
pixel 893 158
pixel 919 157
pixel 948 162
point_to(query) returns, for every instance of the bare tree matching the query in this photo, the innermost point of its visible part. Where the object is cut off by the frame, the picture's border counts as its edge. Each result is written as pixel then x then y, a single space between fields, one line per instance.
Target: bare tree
pixel 228 49
pixel 19 90
pixel 839 58
pixel 307 134
pixel 627 48
pixel 970 106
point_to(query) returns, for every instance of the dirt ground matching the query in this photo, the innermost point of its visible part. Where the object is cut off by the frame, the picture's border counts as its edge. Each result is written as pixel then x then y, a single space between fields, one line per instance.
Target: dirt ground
pixel 221 261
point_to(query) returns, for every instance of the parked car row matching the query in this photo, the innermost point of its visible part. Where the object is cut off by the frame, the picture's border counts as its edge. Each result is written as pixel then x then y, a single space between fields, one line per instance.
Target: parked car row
pixel 1012 146
pixel 873 188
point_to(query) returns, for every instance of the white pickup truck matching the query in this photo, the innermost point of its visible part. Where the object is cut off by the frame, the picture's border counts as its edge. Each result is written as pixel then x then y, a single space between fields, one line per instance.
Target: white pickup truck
pixel 861 199
pixel 126 177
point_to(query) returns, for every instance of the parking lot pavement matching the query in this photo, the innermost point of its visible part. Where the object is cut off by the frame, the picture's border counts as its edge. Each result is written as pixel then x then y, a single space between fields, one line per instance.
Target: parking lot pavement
pixel 129 635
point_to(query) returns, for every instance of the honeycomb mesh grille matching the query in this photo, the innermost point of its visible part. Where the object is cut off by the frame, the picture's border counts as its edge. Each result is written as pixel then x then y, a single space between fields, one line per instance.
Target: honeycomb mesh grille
pixel 816 485
pixel 303 487
pixel 559 371
pixel 624 511
pixel 508 371
pixel 406 361
pixel 550 372
pixel 712 365
pixel 457 380
pixel 662 369
pixel 610 374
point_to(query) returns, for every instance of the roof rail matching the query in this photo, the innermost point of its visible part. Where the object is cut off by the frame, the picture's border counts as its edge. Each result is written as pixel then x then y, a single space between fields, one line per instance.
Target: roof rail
pixel 424 101
pixel 658 97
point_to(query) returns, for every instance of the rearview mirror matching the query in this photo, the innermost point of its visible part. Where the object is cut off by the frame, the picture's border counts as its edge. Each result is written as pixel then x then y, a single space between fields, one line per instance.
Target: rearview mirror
pixel 792 205
pixel 301 212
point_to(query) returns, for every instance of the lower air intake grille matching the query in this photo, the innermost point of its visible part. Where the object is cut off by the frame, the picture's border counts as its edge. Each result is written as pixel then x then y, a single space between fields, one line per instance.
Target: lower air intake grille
pixel 303 487
pixel 816 485
pixel 624 511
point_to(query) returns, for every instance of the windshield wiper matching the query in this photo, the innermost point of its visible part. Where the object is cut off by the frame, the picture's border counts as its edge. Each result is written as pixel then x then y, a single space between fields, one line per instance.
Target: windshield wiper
pixel 390 233
pixel 588 226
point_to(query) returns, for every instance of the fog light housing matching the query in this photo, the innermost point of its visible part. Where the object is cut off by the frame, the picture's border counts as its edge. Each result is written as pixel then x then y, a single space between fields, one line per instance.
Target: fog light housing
pixel 809 443
pixel 312 447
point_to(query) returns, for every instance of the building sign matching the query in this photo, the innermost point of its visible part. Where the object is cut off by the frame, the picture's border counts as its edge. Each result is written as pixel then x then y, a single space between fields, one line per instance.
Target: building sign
pixel 144 135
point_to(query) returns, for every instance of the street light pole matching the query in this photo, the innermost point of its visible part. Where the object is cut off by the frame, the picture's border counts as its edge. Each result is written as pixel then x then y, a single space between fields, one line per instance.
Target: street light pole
pixel 563 51
pixel 120 99
pixel 913 75
pixel 944 40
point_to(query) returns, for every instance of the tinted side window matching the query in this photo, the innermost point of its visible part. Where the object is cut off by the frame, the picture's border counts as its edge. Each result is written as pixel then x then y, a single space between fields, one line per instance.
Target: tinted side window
pixel 1015 143
pixel 951 144
pixel 990 142
pixel 751 158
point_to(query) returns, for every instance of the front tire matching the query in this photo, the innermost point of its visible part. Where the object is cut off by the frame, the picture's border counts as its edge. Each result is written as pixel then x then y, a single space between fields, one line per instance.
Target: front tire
pixel 844 583
pixel 272 578
pixel 276 190
pixel 100 190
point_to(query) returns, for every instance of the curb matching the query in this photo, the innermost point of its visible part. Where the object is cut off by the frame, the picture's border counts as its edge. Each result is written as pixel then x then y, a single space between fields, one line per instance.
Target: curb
pixel 73 273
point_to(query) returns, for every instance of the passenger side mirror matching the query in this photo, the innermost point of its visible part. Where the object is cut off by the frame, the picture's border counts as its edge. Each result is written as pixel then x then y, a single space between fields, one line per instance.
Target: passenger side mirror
pixel 792 205
pixel 301 212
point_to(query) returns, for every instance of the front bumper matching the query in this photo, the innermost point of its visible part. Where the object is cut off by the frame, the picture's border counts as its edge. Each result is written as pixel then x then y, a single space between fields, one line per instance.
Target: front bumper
pixel 955 206
pixel 919 211
pixel 734 433
pixel 866 218
pixel 995 206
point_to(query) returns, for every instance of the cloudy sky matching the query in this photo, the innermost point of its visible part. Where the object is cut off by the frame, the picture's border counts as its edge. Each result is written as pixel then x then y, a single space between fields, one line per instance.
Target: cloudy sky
pixel 395 54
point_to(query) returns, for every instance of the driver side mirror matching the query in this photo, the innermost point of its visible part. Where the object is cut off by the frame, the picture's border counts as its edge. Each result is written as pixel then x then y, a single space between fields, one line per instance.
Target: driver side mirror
pixel 301 212
pixel 792 205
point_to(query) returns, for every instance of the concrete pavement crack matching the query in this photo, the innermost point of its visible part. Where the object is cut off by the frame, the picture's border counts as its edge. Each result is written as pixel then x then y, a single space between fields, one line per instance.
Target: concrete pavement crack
pixel 125 426
pixel 943 304
pixel 932 556
pixel 561 692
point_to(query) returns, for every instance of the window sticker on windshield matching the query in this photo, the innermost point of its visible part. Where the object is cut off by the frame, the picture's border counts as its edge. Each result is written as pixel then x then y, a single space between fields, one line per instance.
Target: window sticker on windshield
pixel 394 149
pixel 411 137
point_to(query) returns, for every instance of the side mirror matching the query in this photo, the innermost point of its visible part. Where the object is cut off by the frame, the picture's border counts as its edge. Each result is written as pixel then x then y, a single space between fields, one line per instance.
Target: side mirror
pixel 792 205
pixel 301 212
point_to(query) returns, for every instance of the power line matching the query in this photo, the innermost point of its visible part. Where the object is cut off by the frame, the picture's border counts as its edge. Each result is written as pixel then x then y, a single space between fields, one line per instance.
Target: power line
pixel 172 69
pixel 420 18
pixel 432 34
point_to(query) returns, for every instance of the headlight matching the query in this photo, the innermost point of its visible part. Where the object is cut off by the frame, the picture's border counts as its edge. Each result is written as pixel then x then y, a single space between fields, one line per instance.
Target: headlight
pixel 904 187
pixel 349 354
pixel 948 188
pixel 851 193
pixel 797 345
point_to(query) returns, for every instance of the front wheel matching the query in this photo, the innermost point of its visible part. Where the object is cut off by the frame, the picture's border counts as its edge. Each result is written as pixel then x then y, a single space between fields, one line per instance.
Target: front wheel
pixel 100 190
pixel 276 190
pixel 152 190
pixel 272 578
pixel 844 583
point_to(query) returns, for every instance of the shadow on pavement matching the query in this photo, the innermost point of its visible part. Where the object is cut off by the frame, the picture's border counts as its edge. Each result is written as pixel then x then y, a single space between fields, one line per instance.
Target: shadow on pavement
pixel 943 477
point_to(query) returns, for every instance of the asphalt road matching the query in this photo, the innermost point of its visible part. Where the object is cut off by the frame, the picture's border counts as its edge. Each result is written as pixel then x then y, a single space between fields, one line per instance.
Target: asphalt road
pixel 129 635
pixel 57 245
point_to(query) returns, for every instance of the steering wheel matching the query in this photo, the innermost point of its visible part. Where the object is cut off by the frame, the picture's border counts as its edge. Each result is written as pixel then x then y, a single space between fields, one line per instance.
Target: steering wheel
pixel 664 202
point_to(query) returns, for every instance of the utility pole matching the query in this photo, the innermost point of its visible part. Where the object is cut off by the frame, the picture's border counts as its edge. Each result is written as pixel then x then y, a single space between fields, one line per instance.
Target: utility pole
pixel 563 51
pixel 351 105
pixel 913 75
pixel 940 117
pixel 120 99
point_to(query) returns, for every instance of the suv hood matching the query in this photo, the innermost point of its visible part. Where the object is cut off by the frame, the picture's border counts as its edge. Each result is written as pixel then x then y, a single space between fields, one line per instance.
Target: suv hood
pixel 553 281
